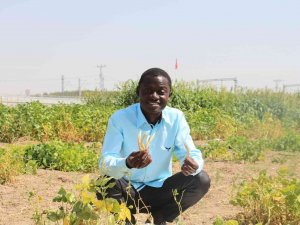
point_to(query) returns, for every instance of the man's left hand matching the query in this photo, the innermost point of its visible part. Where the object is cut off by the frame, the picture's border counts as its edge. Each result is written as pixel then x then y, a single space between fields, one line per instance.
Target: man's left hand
pixel 189 166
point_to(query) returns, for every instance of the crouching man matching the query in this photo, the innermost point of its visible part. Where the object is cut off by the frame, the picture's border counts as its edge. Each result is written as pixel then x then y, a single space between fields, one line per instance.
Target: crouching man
pixel 137 153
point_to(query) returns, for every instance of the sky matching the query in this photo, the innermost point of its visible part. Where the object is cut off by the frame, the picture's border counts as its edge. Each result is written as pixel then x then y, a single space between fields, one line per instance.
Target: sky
pixel 255 41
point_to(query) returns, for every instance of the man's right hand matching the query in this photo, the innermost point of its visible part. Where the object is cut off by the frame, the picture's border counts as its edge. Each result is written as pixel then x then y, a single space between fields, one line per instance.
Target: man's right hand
pixel 139 159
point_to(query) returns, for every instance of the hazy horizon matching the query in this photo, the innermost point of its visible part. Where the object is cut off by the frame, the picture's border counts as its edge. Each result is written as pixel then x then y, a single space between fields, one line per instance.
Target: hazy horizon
pixel 256 42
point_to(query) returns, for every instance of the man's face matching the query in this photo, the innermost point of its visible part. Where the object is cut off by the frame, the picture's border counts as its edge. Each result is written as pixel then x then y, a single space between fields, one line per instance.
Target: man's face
pixel 154 94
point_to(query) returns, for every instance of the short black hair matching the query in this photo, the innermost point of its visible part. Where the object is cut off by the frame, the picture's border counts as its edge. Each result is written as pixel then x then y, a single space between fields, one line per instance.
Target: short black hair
pixel 153 72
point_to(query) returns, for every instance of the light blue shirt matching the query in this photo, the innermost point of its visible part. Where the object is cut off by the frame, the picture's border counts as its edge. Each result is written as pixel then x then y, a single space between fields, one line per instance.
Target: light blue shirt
pixel 121 139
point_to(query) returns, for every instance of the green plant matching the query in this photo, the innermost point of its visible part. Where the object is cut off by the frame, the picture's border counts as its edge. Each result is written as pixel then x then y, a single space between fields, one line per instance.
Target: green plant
pixel 211 113
pixel 218 150
pixel 62 156
pixel 202 123
pixel 35 201
pixel 269 200
pixel 279 160
pixel 100 98
pixel 221 221
pixel 30 167
pixel 63 122
pixel 246 149
pixel 10 164
pixel 127 94
pixel 235 148
pixel 289 142
pixel 178 200
pixel 84 208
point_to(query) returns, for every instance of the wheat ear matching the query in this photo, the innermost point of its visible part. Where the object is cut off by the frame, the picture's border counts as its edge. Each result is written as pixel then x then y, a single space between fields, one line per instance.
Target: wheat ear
pixel 149 141
pixel 141 141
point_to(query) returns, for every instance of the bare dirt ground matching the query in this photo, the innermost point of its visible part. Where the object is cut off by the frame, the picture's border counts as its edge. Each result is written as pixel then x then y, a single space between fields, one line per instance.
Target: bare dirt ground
pixel 15 208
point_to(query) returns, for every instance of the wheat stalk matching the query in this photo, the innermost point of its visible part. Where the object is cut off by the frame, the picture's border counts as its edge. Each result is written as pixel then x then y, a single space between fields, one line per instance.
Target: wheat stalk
pixel 144 138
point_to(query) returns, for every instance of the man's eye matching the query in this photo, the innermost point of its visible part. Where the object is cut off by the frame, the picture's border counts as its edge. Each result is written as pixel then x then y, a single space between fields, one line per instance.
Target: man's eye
pixel 161 92
pixel 147 91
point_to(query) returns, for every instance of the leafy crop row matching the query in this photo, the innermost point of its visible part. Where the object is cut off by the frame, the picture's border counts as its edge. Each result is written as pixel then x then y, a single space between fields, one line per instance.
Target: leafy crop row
pixel 259 116
pixel 62 156
pixel 234 149
pixel 83 207
pixel 15 160
pixel 11 164
pixel 267 200
pixel 43 123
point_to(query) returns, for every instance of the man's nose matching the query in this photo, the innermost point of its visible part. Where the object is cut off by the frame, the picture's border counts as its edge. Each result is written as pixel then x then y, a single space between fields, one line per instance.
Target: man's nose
pixel 154 95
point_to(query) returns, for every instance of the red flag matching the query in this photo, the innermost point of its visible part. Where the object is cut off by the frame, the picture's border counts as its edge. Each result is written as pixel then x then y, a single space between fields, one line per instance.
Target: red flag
pixel 176 65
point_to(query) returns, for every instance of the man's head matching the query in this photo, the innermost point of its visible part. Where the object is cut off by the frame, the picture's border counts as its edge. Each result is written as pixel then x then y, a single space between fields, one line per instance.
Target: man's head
pixel 154 89
pixel 152 73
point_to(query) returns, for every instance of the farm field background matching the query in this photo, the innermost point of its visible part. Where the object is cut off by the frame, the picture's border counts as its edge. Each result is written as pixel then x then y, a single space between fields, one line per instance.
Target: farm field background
pixel 240 134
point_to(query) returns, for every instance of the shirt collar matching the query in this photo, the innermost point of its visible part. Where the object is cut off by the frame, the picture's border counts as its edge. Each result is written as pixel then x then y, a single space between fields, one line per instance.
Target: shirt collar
pixel 165 115
pixel 141 118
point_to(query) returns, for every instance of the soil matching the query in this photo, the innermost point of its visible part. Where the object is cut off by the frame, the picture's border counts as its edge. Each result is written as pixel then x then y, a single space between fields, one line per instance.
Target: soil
pixel 16 209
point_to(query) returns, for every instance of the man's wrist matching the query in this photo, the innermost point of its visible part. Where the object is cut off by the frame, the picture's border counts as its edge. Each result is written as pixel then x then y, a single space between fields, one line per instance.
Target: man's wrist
pixel 127 164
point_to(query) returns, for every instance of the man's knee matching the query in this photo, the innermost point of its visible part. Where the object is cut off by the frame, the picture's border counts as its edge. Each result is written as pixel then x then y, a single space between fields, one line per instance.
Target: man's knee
pixel 202 182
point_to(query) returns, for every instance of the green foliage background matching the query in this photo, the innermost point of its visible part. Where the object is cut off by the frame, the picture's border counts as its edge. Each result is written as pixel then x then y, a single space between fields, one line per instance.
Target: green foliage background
pixel 258 119
pixel 226 125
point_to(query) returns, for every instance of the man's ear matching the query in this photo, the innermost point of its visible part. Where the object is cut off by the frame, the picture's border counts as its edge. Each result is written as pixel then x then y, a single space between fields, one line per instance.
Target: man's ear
pixel 170 94
pixel 137 91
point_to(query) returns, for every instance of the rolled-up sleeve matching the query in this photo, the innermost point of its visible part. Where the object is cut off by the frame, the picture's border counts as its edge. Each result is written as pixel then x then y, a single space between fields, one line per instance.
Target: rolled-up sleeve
pixel 112 162
pixel 183 137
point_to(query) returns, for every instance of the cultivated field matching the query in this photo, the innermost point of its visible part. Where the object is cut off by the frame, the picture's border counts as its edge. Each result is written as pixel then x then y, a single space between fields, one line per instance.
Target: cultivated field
pixel 250 141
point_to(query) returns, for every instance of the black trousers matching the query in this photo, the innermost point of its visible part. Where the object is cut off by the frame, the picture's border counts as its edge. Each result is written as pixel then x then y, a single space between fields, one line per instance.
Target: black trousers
pixel 160 202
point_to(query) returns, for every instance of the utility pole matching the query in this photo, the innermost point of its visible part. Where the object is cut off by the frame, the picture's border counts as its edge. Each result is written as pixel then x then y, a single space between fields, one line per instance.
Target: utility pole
pixel 101 86
pixel 79 88
pixel 62 84
pixel 277 84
